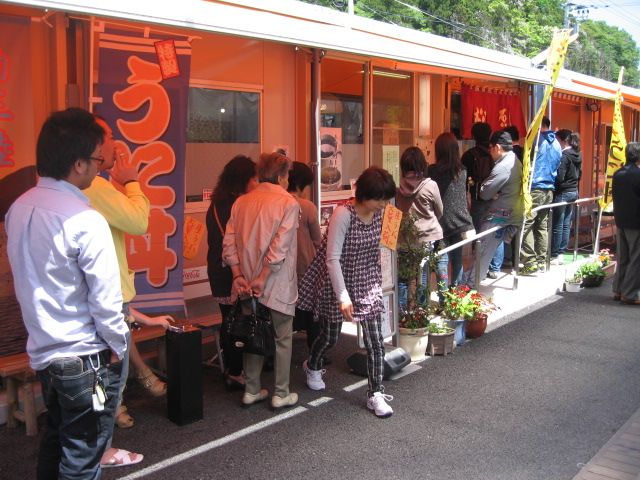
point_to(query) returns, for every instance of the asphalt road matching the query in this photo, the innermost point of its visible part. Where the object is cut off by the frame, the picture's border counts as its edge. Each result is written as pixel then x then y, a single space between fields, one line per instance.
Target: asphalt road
pixel 535 398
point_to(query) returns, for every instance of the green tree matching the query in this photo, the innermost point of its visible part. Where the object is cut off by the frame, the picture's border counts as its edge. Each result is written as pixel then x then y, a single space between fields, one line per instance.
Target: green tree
pixel 520 27
pixel 601 50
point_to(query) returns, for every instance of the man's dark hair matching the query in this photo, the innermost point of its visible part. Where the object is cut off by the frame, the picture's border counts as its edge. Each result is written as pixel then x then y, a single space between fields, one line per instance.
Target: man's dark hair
pixel 481 132
pixel 632 152
pixel 65 137
pixel 375 183
pixel 546 122
pixel 513 131
pixel 300 176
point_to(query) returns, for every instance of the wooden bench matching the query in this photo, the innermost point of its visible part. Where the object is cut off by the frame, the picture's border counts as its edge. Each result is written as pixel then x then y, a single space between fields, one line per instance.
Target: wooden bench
pixel 16 370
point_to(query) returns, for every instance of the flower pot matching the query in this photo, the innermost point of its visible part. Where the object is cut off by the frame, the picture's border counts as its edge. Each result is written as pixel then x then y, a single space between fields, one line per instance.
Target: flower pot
pixel 414 341
pixel 572 287
pixel 476 328
pixel 459 330
pixel 594 281
pixel 610 269
pixel 440 343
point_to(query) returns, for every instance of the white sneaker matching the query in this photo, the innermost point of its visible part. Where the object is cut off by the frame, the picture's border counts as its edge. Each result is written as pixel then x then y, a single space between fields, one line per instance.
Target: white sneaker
pixel 378 403
pixel 557 261
pixel 314 377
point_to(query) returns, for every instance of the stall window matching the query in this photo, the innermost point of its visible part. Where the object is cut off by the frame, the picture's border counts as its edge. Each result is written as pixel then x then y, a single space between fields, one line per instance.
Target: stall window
pixel 392 117
pixel 222 124
pixel 341 128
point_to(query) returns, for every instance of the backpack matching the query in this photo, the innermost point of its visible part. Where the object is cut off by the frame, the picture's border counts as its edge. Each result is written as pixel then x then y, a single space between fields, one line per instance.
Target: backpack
pixel 482 166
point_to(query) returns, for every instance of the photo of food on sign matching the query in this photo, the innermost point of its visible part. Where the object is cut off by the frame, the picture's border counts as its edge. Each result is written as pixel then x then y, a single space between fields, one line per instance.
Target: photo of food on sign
pixel 330 159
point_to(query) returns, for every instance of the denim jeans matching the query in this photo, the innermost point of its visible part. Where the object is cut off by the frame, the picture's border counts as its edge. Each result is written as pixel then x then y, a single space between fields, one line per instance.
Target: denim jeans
pixel 497 259
pixel 75 437
pixel 442 267
pixel 562 222
pixel 403 289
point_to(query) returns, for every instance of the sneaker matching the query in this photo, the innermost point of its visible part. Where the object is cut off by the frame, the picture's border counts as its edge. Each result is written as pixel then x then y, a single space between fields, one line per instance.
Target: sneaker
pixel 492 275
pixel 378 403
pixel 283 402
pixel 249 399
pixel 557 261
pixel 542 267
pixel 314 377
pixel 528 270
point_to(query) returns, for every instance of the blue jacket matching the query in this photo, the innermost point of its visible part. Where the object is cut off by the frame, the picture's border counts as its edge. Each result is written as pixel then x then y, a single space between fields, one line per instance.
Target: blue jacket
pixel 547 161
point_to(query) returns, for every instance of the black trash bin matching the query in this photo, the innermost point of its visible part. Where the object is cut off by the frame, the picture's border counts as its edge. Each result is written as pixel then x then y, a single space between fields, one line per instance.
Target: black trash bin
pixel 184 374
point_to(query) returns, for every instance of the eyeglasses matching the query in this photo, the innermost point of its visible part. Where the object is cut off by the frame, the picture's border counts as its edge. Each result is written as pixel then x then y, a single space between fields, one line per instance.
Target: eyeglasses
pixel 98 160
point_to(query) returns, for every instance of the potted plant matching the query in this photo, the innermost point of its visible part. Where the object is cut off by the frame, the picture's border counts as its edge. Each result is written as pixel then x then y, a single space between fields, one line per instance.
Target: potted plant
pixel 414 331
pixel 415 316
pixel 592 273
pixel 466 307
pixel 440 340
pixel 605 257
pixel 573 281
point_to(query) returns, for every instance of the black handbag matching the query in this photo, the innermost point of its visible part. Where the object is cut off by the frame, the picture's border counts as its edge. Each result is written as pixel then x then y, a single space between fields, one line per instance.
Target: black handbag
pixel 250 332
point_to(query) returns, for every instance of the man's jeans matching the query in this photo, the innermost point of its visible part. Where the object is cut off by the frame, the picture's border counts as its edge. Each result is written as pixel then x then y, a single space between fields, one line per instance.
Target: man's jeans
pixel 75 435
pixel 562 222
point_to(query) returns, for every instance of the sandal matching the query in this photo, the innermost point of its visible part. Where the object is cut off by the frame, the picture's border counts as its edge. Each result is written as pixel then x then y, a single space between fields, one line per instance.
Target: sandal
pixel 123 458
pixel 123 419
pixel 153 384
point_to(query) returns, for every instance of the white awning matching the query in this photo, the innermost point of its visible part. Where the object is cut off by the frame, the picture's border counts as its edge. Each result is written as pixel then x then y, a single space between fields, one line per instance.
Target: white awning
pixel 302 24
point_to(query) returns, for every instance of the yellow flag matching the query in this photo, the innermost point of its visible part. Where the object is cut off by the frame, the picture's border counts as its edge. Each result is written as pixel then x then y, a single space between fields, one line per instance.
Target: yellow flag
pixel 557 54
pixel 617 157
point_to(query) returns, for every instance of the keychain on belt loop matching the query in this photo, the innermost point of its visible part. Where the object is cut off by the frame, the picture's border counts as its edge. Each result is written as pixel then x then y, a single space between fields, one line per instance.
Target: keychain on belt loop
pixel 98 397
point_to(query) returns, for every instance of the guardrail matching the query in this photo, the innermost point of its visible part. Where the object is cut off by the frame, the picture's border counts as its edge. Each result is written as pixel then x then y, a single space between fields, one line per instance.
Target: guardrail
pixel 516 261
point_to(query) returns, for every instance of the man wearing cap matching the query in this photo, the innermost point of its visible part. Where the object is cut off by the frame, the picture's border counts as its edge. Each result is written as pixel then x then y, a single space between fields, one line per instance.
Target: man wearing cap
pixel 505 203
pixel 66 279
pixel 535 238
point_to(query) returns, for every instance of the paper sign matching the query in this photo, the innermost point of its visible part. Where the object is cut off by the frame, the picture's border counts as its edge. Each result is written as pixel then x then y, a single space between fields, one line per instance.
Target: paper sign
pixel 167 58
pixel 193 233
pixel 391 219
pixel 391 161
pixel 391 134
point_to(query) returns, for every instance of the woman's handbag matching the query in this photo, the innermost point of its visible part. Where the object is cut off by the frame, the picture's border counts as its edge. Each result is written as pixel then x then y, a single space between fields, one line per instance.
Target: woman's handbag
pixel 251 332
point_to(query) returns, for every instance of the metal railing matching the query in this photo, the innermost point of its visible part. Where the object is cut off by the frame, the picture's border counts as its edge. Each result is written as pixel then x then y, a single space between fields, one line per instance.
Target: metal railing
pixel 518 237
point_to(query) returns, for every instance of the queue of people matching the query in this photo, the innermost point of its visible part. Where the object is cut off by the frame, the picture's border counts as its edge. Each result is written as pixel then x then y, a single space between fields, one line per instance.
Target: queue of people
pixel 67 253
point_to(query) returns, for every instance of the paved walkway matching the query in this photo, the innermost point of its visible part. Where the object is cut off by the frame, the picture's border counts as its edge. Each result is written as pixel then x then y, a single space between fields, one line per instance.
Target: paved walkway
pixel 619 459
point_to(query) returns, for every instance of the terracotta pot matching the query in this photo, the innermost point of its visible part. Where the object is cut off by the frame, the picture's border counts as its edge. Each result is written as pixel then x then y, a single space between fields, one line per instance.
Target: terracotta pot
pixel 478 326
